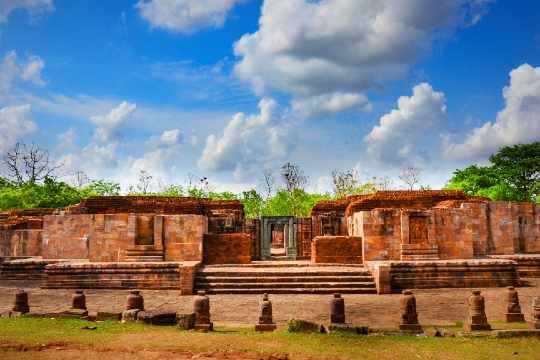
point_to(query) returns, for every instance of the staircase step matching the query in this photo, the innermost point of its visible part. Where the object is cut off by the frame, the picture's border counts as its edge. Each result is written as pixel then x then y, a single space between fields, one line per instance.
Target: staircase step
pixel 296 290
pixel 273 279
pixel 241 274
pixel 352 285
pixel 144 258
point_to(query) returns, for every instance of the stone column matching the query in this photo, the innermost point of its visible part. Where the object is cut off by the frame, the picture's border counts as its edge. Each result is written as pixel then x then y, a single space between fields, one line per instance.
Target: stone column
pixel 201 308
pixel 291 243
pixel 134 305
pixel 513 309
pixel 535 323
pixel 409 316
pixel 477 319
pixel 266 322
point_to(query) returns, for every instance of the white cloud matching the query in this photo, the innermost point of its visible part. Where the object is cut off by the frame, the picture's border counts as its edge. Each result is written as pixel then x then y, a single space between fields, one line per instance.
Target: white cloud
pixel 15 123
pixel 329 104
pixel 67 138
pixel 11 70
pixel 32 70
pixel 109 123
pixel 246 142
pixel 185 16
pixel 34 7
pixel 170 137
pixel 402 132
pixel 518 122
pixel 308 48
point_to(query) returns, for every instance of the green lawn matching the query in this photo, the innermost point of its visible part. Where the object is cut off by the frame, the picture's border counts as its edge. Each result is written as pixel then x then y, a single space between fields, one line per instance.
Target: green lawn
pixel 23 338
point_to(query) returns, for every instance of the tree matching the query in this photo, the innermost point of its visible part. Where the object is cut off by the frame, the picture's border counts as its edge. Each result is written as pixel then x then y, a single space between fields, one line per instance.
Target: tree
pixel 29 164
pixel 410 176
pixel 143 184
pixel 294 179
pixel 103 188
pixel 518 167
pixel 268 183
pixel 345 182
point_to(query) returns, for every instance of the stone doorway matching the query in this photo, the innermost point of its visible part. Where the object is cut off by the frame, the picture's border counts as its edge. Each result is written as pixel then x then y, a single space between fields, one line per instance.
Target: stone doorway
pixel 278 238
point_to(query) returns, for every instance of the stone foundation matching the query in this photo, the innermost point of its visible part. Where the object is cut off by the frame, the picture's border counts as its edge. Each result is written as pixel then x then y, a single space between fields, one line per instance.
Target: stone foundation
pixel 528 265
pixel 397 276
pixel 156 276
pixel 30 269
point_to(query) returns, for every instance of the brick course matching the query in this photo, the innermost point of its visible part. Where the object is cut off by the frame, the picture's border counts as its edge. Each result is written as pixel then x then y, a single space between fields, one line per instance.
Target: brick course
pixel 336 249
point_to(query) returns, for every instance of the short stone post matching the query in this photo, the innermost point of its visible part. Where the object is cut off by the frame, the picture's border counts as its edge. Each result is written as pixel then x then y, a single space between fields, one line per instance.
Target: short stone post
pixel 337 310
pixel 535 323
pixel 409 316
pixel 201 308
pixel 21 302
pixel 513 309
pixel 266 322
pixel 135 301
pixel 135 304
pixel 477 319
pixel 78 301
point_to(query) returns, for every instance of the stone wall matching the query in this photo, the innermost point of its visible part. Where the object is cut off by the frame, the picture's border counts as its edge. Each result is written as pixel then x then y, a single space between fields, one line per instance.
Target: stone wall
pixel 380 230
pixel 227 248
pixel 336 249
pixel 16 243
pixel 183 237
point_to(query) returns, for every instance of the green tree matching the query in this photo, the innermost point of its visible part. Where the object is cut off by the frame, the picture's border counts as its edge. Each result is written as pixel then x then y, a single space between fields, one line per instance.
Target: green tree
pixel 103 188
pixel 518 167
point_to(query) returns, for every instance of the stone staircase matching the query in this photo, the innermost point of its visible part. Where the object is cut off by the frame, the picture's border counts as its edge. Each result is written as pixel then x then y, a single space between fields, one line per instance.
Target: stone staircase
pixel 419 252
pixel 284 278
pixel 143 253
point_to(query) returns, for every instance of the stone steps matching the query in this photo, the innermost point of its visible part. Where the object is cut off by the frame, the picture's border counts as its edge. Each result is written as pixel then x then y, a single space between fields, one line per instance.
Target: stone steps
pixel 144 258
pixel 144 254
pixel 298 279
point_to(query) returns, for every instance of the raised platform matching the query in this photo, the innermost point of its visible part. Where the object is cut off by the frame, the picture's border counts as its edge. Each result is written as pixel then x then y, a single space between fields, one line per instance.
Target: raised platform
pixel 286 277
pixel 28 269
pixel 133 275
pixel 395 276
pixel 528 265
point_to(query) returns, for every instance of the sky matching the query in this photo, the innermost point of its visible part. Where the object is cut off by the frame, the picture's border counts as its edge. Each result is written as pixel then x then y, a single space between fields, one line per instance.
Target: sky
pixel 226 89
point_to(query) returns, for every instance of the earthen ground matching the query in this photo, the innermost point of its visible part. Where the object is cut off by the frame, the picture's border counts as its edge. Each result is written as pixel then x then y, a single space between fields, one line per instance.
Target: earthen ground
pixel 435 306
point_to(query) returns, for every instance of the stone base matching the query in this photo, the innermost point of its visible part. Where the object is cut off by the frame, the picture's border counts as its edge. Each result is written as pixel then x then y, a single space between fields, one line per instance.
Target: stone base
pixel 361 330
pixel 204 327
pixel 130 315
pixel 515 317
pixel 112 316
pixel 265 327
pixel 185 321
pixel 476 327
pixel 74 313
pixel 534 325
pixel 157 317
pixel 416 328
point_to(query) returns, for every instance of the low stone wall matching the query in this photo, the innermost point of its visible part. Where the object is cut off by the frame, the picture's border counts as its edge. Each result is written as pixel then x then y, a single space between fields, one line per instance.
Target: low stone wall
pixel 392 276
pixel 336 250
pixel 30 269
pixel 227 248
pixel 528 265
pixel 156 276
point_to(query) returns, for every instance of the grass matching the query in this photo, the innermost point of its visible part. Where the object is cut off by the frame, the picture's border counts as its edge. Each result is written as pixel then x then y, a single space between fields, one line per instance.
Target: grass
pixel 23 338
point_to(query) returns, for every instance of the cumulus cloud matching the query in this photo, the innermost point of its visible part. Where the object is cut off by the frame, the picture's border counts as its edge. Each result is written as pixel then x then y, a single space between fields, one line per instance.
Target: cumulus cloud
pixel 15 123
pixel 34 7
pixel 185 16
pixel 170 137
pixel 308 48
pixel 329 104
pixel 108 124
pixel 518 122
pixel 401 132
pixel 246 141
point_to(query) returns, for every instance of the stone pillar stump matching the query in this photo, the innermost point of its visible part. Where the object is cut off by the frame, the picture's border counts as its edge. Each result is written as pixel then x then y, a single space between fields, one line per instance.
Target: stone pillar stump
pixel 513 309
pixel 477 319
pixel 266 322
pixel 201 308
pixel 409 316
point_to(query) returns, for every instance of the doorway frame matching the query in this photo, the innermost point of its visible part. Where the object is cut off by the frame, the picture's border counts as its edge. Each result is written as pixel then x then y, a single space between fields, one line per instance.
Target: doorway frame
pixel 266 236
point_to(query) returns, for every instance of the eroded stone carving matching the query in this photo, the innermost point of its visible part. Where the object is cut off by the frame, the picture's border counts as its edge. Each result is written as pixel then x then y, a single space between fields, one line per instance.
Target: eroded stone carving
pixel 409 316
pixel 477 319
pixel 266 322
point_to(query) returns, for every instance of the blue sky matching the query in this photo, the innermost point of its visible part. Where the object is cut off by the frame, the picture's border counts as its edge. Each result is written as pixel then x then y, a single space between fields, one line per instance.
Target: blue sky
pixel 228 88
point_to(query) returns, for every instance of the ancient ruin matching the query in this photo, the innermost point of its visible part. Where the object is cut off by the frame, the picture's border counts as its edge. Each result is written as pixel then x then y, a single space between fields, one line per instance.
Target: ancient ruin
pixel 513 310
pixel 266 321
pixel 377 243
pixel 409 316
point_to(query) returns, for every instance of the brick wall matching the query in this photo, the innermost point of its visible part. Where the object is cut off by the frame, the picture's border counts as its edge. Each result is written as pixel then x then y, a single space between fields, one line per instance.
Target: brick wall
pixel 183 237
pixel 20 243
pixel 380 230
pixel 336 249
pixel 227 248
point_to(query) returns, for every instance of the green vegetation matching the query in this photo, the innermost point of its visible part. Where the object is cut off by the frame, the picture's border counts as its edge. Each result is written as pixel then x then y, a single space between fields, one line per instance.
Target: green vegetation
pixel 25 338
pixel 514 175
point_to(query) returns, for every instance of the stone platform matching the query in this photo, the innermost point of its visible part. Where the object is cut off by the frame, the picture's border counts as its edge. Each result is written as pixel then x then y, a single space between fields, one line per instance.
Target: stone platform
pixel 284 277
pixel 528 265
pixel 395 276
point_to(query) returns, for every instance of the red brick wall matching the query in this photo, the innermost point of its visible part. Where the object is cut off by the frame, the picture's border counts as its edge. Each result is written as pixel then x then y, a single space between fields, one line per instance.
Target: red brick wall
pixel 183 237
pixel 20 242
pixel 227 248
pixel 380 230
pixel 336 249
